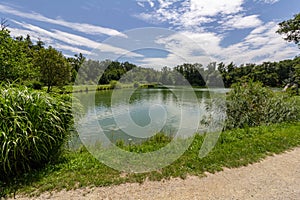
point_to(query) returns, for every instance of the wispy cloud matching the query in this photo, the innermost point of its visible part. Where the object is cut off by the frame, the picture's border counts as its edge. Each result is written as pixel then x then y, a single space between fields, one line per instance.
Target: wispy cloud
pixel 268 1
pixel 241 22
pixel 260 45
pixel 144 3
pixel 191 14
pixel 80 27
pixel 71 40
pixel 208 24
pixel 71 49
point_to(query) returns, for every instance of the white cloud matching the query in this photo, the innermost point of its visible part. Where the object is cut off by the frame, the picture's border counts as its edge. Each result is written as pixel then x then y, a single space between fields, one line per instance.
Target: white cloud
pixel 71 49
pixel 73 40
pixel 261 45
pixel 191 19
pixel 16 32
pixel 214 7
pixel 268 1
pixel 80 27
pixel 191 14
pixel 186 47
pixel 143 2
pixel 241 22
pixel 151 3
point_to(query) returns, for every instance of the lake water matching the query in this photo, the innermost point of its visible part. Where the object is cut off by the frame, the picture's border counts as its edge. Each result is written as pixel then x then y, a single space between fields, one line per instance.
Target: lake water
pixel 134 115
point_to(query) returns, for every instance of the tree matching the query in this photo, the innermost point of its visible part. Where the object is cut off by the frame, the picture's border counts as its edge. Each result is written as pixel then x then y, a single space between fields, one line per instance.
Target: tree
pixel 3 24
pixel 14 63
pixel 76 63
pixel 55 70
pixel 291 29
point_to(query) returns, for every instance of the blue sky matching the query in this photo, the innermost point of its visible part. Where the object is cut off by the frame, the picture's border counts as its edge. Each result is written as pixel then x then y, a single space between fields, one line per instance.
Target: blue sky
pixel 242 31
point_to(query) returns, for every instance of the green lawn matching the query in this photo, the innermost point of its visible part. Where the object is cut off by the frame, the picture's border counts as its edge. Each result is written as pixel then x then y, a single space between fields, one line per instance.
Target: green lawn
pixel 235 148
pixel 84 88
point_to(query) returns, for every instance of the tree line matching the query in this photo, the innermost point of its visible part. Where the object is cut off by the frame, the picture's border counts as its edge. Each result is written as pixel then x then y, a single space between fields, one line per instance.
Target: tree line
pixel 36 65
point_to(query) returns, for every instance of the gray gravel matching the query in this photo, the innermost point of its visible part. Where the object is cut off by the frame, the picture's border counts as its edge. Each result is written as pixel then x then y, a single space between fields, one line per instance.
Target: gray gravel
pixel 276 177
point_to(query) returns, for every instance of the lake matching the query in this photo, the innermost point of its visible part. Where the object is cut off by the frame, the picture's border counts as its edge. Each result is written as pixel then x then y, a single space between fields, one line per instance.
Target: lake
pixel 134 115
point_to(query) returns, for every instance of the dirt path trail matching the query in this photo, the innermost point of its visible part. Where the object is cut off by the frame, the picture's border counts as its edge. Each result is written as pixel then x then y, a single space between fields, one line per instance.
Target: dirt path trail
pixel 276 177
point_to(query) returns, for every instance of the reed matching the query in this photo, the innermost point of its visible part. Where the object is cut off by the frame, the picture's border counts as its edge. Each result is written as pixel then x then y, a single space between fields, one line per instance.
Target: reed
pixel 33 128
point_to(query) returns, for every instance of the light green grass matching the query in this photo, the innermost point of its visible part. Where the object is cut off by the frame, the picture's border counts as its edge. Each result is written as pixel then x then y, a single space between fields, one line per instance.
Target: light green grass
pixel 84 88
pixel 235 148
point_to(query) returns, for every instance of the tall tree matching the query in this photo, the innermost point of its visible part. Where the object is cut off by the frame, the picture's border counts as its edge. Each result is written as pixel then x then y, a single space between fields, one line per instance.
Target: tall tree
pixel 54 68
pixel 291 29
pixel 76 63
pixel 14 63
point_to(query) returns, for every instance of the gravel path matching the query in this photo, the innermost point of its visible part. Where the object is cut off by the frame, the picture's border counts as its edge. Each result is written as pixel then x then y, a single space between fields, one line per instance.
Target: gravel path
pixel 276 177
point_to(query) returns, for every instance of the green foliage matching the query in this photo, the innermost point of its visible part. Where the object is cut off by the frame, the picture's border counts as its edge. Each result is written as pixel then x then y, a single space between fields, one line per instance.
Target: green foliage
pixel 234 148
pixel 251 104
pixel 115 84
pixel 191 73
pixel 76 64
pixel 154 143
pixel 136 84
pixel 33 128
pixel 24 61
pixel 54 68
pixel 37 85
pixel 272 74
pixel 14 63
pixel 114 71
pixel 291 29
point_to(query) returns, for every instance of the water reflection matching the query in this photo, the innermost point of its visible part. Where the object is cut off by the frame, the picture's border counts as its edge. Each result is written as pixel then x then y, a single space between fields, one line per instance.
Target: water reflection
pixel 145 113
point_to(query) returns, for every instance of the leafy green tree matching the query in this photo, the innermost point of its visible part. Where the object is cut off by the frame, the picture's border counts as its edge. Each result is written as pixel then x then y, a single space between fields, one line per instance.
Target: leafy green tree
pixel 55 70
pixel 291 29
pixel 76 63
pixel 14 63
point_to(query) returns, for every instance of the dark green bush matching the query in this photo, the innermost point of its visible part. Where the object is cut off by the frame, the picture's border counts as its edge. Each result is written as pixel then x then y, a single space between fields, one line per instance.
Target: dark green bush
pixel 33 129
pixel 251 104
pixel 37 85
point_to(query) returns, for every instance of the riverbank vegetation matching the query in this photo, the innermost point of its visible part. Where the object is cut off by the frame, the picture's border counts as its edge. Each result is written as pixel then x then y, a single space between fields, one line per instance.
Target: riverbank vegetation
pixel 33 128
pixel 35 125
pixel 269 130
pixel 238 147
pixel 36 65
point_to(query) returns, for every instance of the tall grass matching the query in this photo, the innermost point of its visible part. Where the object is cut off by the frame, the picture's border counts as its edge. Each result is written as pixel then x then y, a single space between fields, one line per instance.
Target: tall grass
pixel 250 104
pixel 33 128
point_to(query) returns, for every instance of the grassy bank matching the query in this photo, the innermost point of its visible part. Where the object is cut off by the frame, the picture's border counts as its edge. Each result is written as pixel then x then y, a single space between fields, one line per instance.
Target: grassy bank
pixel 85 88
pixel 238 147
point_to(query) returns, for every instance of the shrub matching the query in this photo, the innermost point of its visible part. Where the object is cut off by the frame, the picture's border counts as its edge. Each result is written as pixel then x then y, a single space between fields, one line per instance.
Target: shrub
pixel 136 85
pixel 115 85
pixel 37 85
pixel 251 104
pixel 33 129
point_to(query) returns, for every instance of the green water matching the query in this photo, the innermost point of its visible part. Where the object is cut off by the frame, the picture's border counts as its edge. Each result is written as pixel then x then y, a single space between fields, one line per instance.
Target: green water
pixel 135 115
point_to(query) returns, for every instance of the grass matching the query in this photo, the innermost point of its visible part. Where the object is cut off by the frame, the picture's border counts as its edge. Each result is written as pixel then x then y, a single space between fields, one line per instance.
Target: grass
pixel 84 88
pixel 33 128
pixel 238 147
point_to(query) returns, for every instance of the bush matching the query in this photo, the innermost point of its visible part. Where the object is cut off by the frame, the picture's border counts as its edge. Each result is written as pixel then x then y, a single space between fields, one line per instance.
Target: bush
pixel 115 85
pixel 37 85
pixel 33 129
pixel 136 85
pixel 251 104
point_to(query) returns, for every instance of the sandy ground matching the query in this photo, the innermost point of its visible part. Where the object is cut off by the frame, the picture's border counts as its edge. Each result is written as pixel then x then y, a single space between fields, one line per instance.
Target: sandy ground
pixel 276 177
